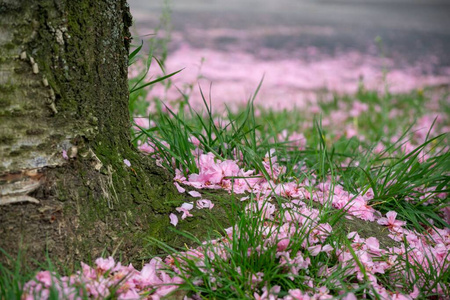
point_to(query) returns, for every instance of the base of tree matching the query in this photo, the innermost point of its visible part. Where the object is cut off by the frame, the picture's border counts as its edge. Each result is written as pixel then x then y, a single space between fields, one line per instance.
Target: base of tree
pixel 84 212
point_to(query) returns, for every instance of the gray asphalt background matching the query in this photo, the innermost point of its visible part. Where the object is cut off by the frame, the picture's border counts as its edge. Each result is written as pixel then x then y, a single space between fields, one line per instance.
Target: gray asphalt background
pixel 411 31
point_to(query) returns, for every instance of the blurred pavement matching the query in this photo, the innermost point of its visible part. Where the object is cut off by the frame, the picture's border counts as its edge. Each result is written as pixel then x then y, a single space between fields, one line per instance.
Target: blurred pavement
pixel 410 29
pixel 303 46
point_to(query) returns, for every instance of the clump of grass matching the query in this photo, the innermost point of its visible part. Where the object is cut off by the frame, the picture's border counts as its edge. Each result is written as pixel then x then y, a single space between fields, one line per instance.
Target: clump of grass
pixel 402 181
pixel 414 183
pixel 246 262
pixel 14 277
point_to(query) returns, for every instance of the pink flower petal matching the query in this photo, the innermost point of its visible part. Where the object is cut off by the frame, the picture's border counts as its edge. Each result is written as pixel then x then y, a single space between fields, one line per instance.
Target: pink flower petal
pixel 327 248
pixel 105 264
pixel 185 212
pixel 391 216
pixel 415 292
pixel 315 250
pixel 349 296
pixel 179 188
pixel 127 162
pixel 64 154
pixel 195 194
pixel 204 203
pixel 187 206
pixel 173 219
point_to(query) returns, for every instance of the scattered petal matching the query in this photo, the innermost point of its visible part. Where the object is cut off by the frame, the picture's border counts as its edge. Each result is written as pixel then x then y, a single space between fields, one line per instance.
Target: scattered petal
pixel 179 188
pixel 315 250
pixel 204 203
pixel 195 194
pixel 127 162
pixel 187 206
pixel 349 296
pixel 327 248
pixel 173 219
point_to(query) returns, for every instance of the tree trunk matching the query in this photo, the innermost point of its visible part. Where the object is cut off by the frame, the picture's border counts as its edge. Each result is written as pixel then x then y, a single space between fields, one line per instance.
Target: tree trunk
pixel 64 135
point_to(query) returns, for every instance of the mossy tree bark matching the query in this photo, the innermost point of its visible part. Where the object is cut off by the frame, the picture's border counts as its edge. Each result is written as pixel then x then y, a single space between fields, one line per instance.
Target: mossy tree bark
pixel 63 89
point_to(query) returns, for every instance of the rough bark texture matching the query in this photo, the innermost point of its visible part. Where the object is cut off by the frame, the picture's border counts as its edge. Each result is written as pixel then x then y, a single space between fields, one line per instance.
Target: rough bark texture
pixel 63 87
